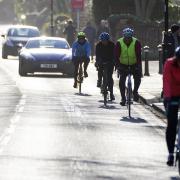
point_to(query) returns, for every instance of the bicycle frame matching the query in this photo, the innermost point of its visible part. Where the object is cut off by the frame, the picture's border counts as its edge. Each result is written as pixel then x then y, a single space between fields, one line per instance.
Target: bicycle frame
pixel 129 92
pixel 80 76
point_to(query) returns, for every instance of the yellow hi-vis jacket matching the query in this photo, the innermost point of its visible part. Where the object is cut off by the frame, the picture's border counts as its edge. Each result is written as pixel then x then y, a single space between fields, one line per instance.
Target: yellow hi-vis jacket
pixel 128 54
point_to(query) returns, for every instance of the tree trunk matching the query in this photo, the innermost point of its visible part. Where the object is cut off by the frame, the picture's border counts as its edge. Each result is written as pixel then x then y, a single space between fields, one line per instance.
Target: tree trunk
pixel 144 8
pixel 149 8
pixel 138 8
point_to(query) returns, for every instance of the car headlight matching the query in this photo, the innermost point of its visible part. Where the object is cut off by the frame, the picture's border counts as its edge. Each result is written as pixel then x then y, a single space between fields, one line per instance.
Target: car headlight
pixel 27 57
pixel 9 43
pixel 67 58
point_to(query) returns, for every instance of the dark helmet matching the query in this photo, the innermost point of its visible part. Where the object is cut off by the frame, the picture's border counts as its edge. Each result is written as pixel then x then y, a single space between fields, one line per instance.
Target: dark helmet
pixel 104 36
pixel 177 52
pixel 128 32
pixel 174 28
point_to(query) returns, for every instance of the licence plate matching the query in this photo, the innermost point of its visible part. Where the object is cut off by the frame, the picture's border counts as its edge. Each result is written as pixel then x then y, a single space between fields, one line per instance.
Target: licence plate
pixel 48 66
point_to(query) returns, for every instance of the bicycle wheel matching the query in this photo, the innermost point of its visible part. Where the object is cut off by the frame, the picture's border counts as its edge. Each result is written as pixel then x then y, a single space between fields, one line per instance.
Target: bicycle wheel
pixel 105 96
pixel 105 83
pixel 80 78
pixel 129 100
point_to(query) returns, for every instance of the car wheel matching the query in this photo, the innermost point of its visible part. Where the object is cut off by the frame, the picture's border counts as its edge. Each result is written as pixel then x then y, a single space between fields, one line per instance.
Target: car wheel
pixel 4 54
pixel 22 72
pixel 69 70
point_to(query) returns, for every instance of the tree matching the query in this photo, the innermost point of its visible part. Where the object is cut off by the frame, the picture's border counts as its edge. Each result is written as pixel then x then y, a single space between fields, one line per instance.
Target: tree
pixel 38 11
pixel 144 8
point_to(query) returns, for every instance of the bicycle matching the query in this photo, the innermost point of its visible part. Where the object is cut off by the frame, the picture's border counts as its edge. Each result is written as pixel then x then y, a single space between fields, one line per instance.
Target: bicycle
pixel 80 76
pixel 128 90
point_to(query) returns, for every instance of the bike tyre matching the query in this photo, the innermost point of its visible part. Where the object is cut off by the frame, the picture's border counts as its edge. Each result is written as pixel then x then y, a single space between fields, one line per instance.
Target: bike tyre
pixel 80 87
pixel 129 101
pixel 105 97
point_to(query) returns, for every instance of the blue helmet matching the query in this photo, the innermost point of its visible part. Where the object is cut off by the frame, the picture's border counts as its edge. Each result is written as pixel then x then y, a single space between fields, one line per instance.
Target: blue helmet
pixel 104 36
pixel 128 32
pixel 177 52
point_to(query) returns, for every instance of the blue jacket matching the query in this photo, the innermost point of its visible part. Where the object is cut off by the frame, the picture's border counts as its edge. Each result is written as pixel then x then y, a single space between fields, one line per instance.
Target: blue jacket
pixel 81 50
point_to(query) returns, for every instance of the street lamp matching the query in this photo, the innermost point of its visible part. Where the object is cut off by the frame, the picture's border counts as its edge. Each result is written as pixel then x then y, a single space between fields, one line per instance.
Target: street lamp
pixel 52 19
pixel 23 18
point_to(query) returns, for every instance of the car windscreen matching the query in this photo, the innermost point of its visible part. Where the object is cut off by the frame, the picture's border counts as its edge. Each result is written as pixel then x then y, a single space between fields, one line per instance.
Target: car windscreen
pixel 23 32
pixel 47 43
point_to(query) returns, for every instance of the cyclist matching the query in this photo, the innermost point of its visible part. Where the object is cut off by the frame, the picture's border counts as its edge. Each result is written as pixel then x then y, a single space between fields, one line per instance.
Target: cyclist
pixel 80 52
pixel 105 53
pixel 171 89
pixel 128 53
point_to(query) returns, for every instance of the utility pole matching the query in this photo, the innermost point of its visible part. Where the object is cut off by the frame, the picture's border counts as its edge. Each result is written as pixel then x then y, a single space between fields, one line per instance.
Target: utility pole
pixel 166 15
pixel 52 18
pixel 166 27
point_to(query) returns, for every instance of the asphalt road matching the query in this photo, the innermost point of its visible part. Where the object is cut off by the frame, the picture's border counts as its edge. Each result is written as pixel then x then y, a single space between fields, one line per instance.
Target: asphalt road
pixel 50 132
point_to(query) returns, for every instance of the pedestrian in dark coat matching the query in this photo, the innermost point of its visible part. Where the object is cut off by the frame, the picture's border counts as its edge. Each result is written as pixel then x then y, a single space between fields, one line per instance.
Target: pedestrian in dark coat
pixel 90 32
pixel 171 41
pixel 70 32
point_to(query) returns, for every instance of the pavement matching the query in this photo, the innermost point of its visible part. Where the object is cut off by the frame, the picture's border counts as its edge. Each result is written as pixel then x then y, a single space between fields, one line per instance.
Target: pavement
pixel 151 87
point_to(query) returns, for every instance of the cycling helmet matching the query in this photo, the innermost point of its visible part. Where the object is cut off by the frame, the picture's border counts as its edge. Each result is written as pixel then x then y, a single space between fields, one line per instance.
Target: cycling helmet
pixel 81 34
pixel 104 36
pixel 177 52
pixel 128 32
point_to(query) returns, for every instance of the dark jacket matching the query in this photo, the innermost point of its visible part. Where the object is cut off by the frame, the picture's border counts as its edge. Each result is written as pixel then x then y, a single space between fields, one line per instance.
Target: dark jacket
pixel 170 42
pixel 105 53
pixel 70 32
pixel 90 32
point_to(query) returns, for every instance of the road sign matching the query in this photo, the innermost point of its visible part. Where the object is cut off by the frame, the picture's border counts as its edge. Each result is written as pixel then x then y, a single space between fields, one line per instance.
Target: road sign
pixel 77 4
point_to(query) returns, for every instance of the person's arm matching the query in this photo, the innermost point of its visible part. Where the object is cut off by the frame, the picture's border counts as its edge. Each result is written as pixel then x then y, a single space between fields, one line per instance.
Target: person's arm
pixel 73 50
pixel 117 53
pixel 88 49
pixel 138 55
pixel 167 80
pixel 138 51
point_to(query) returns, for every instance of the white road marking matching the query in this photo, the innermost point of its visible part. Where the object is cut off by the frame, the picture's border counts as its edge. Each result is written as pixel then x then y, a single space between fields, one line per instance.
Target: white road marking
pixel 8 132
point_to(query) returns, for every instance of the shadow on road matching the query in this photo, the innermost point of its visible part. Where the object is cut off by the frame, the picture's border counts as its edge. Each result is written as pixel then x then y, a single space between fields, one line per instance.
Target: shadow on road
pixel 156 127
pixel 175 178
pixel 133 120
pixel 109 102
pixel 82 94
pixel 108 107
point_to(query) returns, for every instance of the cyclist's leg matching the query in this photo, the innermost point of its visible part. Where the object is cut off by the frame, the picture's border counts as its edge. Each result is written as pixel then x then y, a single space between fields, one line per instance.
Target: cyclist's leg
pixel 137 81
pixel 110 81
pixel 86 63
pixel 76 66
pixel 172 120
pixel 122 81
pixel 100 75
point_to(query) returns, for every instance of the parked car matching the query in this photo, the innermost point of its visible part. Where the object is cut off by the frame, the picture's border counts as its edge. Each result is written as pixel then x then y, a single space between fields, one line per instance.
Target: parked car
pixel 16 37
pixel 46 54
